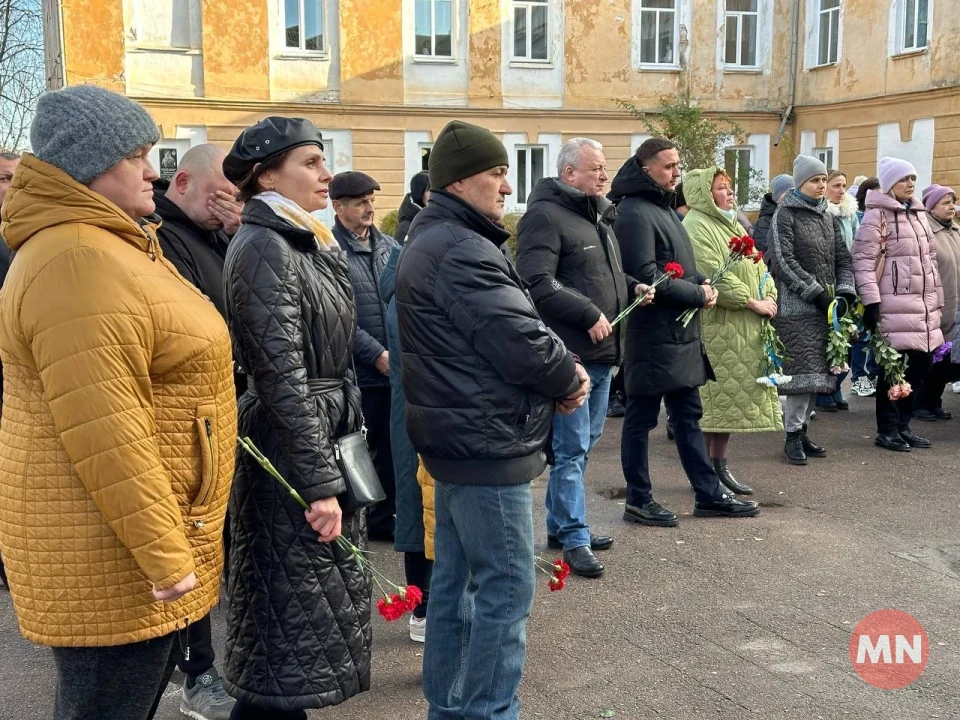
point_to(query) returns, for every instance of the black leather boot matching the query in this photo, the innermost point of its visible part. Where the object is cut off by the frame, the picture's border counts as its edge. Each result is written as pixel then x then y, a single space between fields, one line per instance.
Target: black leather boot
pixel 809 447
pixel 793 448
pixel 728 480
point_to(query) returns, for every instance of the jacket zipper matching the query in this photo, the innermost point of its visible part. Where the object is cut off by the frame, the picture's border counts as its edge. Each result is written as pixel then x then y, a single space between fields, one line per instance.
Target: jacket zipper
pixel 615 266
pixel 923 273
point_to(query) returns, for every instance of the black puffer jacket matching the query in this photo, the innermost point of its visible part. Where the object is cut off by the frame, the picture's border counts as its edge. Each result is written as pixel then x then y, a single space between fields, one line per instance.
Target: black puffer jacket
pixel 480 369
pixel 405 215
pixel 299 611
pixel 366 264
pixel 661 355
pixel 570 258
pixel 761 231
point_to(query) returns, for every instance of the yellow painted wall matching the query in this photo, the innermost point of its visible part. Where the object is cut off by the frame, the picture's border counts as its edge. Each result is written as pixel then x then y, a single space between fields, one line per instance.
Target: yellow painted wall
pixel 93 42
pixel 236 49
pixel 371 52
pixel 484 59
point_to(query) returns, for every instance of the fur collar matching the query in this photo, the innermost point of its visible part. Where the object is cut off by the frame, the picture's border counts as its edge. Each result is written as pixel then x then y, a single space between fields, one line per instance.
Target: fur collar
pixel 846 208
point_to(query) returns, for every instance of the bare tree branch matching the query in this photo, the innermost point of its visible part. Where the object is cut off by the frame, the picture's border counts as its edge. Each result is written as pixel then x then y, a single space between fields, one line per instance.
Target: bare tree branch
pixel 21 70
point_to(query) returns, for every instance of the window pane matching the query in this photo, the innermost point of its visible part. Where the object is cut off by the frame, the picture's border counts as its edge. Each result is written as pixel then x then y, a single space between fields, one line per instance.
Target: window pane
pixel 825 4
pixel 730 162
pixel 648 37
pixel 424 157
pixel 521 176
pixel 669 4
pixel 291 17
pixel 743 176
pixel 834 35
pixel 748 41
pixel 824 47
pixel 538 42
pixel 423 28
pixel 536 165
pixel 730 52
pixel 666 38
pixel 742 5
pixel 520 32
pixel 909 36
pixel 443 29
pixel 313 24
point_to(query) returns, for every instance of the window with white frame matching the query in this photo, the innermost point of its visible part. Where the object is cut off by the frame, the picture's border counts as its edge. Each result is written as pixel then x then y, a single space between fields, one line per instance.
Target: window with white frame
pixel 303 25
pixel 531 26
pixel 531 162
pixel 912 24
pixel 828 32
pixel 824 155
pixel 433 28
pixel 659 31
pixel 737 162
pixel 742 26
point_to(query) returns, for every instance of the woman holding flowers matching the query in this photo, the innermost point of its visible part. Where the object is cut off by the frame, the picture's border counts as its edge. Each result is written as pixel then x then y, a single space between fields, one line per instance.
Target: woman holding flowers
pixel 898 280
pixel 811 265
pixel 732 330
pixel 298 622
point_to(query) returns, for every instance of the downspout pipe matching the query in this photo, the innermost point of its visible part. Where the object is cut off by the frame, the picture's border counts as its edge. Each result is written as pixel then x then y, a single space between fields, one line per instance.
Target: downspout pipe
pixel 794 45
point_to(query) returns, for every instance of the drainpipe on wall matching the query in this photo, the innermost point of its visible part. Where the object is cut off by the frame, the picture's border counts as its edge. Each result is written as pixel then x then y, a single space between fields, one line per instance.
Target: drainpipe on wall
pixel 794 45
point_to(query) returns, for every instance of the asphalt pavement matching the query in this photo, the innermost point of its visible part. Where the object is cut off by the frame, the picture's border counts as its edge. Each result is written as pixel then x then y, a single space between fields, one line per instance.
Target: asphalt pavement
pixel 715 618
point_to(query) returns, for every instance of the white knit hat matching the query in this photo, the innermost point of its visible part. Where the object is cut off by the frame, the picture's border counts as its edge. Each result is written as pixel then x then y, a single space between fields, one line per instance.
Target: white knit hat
pixel 890 171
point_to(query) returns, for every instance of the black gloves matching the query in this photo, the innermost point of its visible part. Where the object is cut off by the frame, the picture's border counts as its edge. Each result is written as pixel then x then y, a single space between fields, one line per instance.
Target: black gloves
pixel 871 316
pixel 823 301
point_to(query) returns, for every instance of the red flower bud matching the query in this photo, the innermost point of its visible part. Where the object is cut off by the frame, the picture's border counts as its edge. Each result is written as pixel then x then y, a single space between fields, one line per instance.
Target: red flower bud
pixel 556 583
pixel 412 596
pixel 392 608
pixel 674 270
pixel 561 570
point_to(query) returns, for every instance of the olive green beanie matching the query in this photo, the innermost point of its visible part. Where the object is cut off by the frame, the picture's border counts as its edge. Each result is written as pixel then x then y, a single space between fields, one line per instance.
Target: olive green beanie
pixel 462 150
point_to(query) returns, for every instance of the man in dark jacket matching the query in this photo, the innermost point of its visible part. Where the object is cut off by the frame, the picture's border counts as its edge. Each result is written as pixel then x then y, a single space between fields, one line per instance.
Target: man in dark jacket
pixel 482 376
pixel 664 360
pixel 368 249
pixel 779 186
pixel 413 202
pixel 570 258
pixel 198 213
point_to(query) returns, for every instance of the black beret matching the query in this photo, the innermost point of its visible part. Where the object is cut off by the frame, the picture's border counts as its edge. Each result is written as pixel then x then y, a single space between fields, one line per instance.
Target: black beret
pixel 270 137
pixel 352 184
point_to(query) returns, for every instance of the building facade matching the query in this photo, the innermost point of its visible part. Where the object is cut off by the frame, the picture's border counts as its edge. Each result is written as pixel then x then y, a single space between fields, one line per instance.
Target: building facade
pixel 848 80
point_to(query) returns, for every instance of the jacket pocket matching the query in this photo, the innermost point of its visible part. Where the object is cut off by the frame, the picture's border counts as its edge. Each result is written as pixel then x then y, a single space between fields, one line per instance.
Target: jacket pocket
pixel 205 423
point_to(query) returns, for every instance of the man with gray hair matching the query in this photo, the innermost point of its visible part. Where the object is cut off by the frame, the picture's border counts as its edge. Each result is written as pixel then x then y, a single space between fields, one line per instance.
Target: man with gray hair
pixel 567 252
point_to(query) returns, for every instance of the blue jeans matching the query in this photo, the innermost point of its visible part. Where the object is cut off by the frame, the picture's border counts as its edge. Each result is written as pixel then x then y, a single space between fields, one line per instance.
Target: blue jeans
pixel 573 438
pixel 861 360
pixel 480 599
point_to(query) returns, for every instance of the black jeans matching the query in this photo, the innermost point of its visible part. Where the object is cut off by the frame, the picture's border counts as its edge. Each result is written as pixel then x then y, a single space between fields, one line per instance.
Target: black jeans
pixel 685 411
pixel 244 711
pixel 418 571
pixel 107 683
pixel 895 415
pixel 941 373
pixel 376 414
pixel 198 655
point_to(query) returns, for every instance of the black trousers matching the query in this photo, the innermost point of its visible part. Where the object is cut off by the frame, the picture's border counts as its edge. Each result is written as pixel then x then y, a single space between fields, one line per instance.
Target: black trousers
pixel 198 654
pixel 376 414
pixel 941 373
pixel 107 683
pixel 685 411
pixel 244 711
pixel 894 415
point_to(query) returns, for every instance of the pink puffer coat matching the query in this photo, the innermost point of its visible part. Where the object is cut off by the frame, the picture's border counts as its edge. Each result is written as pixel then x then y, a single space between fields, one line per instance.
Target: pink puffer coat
pixel 909 290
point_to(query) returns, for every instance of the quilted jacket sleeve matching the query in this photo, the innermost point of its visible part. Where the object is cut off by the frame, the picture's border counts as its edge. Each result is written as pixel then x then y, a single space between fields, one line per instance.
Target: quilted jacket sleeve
pixel 266 295
pixel 784 264
pixel 497 319
pixel 538 254
pixel 844 262
pixel 732 292
pixel 866 250
pixel 92 342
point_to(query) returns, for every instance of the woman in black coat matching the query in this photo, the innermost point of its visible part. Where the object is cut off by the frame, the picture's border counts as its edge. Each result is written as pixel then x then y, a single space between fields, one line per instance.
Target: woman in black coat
pixel 299 611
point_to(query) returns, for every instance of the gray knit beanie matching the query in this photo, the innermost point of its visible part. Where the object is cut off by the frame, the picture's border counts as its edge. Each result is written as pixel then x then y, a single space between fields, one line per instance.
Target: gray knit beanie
pixel 779 185
pixel 806 167
pixel 85 130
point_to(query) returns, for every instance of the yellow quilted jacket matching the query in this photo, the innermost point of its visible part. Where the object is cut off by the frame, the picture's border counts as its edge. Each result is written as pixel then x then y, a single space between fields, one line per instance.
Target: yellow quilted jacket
pixel 117 440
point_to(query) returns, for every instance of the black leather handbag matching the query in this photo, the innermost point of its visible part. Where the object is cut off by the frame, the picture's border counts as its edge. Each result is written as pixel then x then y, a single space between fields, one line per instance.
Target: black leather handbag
pixel 359 474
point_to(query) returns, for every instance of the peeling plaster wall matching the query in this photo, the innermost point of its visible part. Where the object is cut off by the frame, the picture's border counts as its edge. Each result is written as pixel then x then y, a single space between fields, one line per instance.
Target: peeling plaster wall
pixel 304 76
pixel 236 49
pixel 371 51
pixel 484 88
pixel 436 81
pixel 532 84
pixel 94 57
pixel 163 48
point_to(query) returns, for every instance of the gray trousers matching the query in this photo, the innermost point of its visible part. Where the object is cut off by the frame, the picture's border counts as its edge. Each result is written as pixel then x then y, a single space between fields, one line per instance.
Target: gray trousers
pixel 797 412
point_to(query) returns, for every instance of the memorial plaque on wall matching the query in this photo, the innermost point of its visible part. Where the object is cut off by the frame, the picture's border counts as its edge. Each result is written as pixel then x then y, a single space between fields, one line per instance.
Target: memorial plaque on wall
pixel 168 163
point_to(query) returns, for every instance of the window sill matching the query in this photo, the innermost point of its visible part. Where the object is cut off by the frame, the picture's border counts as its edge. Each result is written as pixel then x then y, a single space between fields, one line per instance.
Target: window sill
pixel 656 67
pixel 531 64
pixel 824 66
pixel 312 55
pixel 742 70
pixel 435 60
pixel 161 49
pixel 903 54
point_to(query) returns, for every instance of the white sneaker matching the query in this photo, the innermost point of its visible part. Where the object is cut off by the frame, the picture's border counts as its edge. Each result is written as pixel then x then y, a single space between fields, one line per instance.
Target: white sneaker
pixel 956 386
pixel 418 629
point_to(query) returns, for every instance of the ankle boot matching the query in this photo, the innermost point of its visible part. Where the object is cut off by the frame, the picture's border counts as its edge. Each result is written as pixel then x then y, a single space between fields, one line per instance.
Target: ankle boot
pixel 793 448
pixel 809 447
pixel 728 480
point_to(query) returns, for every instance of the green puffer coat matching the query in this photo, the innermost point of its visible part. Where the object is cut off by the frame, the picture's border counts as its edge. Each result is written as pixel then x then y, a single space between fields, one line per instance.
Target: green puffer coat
pixel 735 402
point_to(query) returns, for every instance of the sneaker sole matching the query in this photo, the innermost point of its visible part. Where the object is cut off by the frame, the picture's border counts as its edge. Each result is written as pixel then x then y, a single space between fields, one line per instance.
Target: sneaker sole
pixel 418 638
pixel 891 449
pixel 651 523
pixel 193 714
pixel 722 513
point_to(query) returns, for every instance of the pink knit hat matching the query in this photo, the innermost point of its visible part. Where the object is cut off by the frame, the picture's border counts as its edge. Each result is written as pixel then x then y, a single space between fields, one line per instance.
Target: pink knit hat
pixel 890 171
pixel 934 194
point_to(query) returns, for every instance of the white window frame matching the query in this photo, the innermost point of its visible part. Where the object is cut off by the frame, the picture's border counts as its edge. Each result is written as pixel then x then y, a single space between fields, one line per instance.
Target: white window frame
pixel 675 55
pixel 825 155
pixel 527 6
pixel 901 26
pixel 737 16
pixel 324 29
pixel 528 177
pixel 830 15
pixel 433 57
pixel 751 156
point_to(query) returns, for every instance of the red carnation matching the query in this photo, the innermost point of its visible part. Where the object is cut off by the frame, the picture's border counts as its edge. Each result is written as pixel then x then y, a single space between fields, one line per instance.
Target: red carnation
pixel 674 270
pixel 758 257
pixel 392 608
pixel 561 570
pixel 413 597
pixel 556 583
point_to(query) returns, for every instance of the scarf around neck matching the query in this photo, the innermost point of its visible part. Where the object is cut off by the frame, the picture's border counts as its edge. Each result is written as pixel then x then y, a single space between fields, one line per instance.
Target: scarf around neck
pixel 298 217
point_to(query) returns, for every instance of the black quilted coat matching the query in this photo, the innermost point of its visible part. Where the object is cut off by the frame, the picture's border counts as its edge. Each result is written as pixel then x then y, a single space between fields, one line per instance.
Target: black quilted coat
pixel 366 264
pixel 761 231
pixel 298 620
